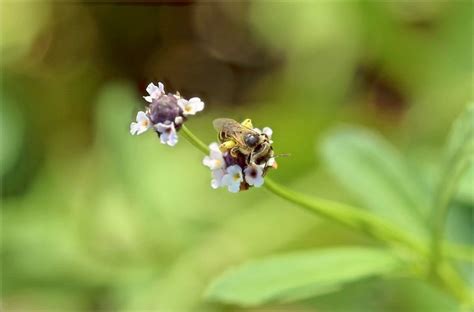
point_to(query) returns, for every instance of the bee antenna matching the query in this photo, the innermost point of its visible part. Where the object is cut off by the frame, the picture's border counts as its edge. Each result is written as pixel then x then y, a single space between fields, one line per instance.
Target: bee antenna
pixel 282 155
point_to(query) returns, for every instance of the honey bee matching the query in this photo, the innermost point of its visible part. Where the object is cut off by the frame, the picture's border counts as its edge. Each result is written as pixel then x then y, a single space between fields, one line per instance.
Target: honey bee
pixel 242 138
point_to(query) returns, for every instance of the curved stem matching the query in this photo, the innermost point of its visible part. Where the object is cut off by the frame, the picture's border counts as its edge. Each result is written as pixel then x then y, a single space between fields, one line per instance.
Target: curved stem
pixel 349 216
pixel 352 217
pixel 360 220
pixel 194 140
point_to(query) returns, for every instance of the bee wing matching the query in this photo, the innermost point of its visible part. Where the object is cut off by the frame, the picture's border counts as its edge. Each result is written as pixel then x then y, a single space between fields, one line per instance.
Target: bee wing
pixel 221 124
pixel 232 129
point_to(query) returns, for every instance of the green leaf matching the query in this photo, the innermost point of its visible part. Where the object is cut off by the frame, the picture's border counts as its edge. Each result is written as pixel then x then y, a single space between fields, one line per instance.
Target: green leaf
pixel 461 138
pixel 373 170
pixel 458 172
pixel 459 155
pixel 465 192
pixel 300 275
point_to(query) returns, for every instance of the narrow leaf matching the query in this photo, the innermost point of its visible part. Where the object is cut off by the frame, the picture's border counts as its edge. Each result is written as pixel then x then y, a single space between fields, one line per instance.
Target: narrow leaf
pixel 373 170
pixel 300 275
pixel 461 138
pixel 458 171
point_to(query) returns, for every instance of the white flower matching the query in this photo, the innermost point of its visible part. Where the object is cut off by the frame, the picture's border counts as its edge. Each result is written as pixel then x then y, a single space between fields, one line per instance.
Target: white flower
pixel 254 175
pixel 233 178
pixel 215 160
pixel 154 92
pixel 217 176
pixel 143 124
pixel 167 133
pixel 192 106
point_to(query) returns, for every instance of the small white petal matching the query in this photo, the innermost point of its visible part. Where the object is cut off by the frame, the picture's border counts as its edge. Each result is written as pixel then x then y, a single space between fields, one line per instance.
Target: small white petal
pixel 254 175
pixel 234 188
pixel 182 102
pixel 161 87
pixel 268 131
pixel 214 147
pixel 154 91
pixel 208 162
pixel 192 106
pixel 141 116
pixel 197 104
pixel 271 162
pixel 217 176
pixel 148 98
pixel 143 124
pixel 151 88
pixel 161 127
pixel 215 160
pixel 178 120
pixel 168 133
pixel 172 139
pixel 233 178
pixel 258 182
pixel 134 127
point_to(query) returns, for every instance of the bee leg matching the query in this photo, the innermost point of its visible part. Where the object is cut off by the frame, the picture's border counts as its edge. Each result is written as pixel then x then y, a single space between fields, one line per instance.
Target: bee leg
pixel 227 145
pixel 250 159
pixel 247 123
pixel 234 151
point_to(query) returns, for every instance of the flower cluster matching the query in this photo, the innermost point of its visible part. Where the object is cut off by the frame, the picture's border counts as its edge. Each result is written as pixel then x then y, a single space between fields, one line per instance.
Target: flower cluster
pixel 235 172
pixel 165 113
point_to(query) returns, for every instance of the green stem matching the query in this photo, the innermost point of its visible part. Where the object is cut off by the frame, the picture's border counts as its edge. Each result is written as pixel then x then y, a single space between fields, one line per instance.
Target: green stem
pixel 194 140
pixel 360 220
pixel 352 217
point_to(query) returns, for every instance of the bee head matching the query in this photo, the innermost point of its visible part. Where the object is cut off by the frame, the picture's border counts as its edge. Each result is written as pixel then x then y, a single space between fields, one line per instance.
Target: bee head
pixel 251 139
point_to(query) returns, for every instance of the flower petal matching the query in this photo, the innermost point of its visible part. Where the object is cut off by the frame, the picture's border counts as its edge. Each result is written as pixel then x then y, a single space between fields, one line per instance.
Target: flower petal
pixel 168 133
pixel 254 175
pixel 182 103
pixel 172 139
pixel 192 106
pixel 141 116
pixel 161 127
pixel 215 160
pixel 161 87
pixel 268 131
pixel 208 162
pixel 151 88
pixel 217 176
pixel 234 188
pixel 148 98
pixel 197 104
pixel 154 91
pixel 134 127
pixel 258 182
pixel 178 120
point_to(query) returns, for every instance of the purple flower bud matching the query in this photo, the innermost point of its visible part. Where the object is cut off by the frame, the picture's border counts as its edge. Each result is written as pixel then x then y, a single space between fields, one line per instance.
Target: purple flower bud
pixel 165 109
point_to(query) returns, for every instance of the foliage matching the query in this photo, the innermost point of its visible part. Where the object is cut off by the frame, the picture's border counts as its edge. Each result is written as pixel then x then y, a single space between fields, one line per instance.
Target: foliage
pixel 362 161
pixel 96 220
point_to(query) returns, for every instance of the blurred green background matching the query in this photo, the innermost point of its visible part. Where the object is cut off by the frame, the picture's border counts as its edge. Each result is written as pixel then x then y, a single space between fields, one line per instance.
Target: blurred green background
pixel 94 219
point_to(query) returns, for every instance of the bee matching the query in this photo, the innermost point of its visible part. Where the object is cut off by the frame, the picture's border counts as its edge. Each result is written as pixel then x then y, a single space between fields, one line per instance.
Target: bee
pixel 241 138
